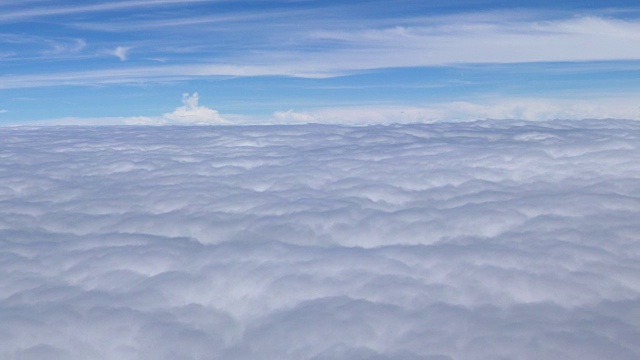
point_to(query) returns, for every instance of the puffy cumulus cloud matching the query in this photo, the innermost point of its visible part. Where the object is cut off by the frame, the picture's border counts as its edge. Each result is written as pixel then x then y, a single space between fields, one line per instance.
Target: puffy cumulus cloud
pixel 191 113
pixel 436 241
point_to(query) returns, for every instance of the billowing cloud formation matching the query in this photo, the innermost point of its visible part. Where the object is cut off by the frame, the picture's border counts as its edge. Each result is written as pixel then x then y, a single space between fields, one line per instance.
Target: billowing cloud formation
pixel 190 113
pixel 442 241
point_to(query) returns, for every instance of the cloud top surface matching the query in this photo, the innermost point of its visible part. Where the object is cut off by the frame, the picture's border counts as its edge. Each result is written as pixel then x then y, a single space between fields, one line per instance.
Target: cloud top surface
pixel 494 239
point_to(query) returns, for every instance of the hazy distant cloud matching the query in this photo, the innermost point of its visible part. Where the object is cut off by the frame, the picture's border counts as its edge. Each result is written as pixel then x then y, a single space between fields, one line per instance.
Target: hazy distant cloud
pixel 493 239
pixel 191 113
pixel 532 109
pixel 295 116
pixel 3 111
pixel 489 40
pixel 528 109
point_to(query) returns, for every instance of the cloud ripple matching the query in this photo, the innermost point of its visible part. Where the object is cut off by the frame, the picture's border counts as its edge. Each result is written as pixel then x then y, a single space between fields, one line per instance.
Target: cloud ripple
pixel 440 241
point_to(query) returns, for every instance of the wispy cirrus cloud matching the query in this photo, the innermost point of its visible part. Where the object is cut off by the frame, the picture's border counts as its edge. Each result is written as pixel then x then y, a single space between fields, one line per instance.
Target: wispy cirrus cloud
pixel 121 52
pixel 264 41
pixel 26 47
pixel 160 73
pixel 46 11
pixel 67 46
pixel 497 41
pixel 181 23
pixel 582 39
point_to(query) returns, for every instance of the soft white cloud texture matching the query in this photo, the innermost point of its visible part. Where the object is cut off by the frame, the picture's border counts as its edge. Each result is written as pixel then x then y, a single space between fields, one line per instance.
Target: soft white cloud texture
pixel 480 38
pixel 47 11
pixel 120 52
pixel 481 240
pixel 191 113
pixel 530 109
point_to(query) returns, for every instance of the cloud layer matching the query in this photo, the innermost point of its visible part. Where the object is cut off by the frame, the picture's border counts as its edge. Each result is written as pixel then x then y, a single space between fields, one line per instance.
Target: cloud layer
pixel 442 241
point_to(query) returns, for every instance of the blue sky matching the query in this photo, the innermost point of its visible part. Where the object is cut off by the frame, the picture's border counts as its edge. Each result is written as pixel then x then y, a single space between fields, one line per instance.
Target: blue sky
pixel 134 61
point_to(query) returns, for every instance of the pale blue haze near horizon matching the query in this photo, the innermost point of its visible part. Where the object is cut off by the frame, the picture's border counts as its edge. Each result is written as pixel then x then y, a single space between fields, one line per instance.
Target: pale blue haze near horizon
pixel 100 62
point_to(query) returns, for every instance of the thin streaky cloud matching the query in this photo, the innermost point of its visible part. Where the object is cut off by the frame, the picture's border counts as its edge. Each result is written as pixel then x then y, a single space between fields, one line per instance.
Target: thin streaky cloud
pixel 65 47
pixel 124 26
pixel 20 15
pixel 159 73
pixel 575 39
pixel 569 40
pixel 398 54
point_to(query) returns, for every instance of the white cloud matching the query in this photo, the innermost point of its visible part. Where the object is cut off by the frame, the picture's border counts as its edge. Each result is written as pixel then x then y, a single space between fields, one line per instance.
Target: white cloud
pixel 490 40
pixel 503 39
pixel 154 73
pixel 478 240
pixel 70 46
pixel 191 113
pixel 35 11
pixel 530 109
pixel 120 52
pixel 3 111
pixel 294 116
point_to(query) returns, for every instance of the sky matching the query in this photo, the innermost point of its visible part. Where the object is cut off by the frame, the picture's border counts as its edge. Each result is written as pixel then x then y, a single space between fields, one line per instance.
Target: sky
pixel 452 240
pixel 247 62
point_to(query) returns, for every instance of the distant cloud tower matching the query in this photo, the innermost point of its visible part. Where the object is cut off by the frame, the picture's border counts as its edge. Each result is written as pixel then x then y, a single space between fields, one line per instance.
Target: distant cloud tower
pixel 192 113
